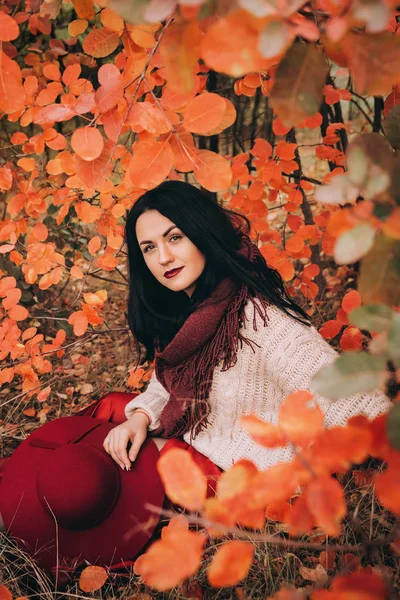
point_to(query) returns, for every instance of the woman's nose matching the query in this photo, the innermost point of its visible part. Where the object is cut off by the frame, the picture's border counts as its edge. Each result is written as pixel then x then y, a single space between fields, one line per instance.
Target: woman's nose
pixel 165 255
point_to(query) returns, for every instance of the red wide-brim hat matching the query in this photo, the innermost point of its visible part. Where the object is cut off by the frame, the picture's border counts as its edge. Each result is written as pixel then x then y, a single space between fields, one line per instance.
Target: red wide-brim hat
pixel 65 500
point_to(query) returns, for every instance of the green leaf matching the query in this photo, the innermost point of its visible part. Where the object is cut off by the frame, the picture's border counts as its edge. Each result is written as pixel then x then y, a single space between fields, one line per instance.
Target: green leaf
pixel 354 244
pixel 394 339
pixel 299 83
pixel 393 427
pixel 133 12
pixel 372 317
pixel 379 278
pixel 351 373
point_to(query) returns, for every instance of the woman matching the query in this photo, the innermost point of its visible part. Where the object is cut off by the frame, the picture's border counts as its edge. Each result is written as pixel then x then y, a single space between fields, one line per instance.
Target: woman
pixel 226 338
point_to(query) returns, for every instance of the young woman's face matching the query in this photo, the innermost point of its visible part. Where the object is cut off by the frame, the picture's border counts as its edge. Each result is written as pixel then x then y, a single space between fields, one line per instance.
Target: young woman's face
pixel 165 247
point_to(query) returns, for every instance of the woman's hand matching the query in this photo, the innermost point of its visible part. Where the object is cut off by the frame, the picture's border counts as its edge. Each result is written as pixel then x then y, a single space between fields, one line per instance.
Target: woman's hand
pixel 134 430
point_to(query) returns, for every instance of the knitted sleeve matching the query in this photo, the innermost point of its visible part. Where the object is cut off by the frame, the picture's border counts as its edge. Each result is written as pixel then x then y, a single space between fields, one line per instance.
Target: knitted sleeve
pixel 152 401
pixel 293 353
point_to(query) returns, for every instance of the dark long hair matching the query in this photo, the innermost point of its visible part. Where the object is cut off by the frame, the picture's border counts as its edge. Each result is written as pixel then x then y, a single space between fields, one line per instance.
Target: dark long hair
pixel 156 313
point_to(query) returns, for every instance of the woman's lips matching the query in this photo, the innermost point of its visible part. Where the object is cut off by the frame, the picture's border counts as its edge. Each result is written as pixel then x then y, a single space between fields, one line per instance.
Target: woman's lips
pixel 173 273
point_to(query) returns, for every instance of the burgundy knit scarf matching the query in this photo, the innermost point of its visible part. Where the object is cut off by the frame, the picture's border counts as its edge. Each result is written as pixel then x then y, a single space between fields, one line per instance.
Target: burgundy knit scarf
pixel 210 334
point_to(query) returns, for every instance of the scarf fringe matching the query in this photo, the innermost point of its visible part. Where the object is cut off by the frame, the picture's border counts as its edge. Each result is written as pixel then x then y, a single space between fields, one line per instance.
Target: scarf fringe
pixel 196 372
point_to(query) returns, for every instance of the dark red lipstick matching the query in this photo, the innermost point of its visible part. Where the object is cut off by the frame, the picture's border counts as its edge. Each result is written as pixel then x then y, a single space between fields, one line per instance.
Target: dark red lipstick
pixel 173 272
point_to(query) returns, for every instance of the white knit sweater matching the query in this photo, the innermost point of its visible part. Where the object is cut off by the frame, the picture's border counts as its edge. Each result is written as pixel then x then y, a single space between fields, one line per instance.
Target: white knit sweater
pixel 289 355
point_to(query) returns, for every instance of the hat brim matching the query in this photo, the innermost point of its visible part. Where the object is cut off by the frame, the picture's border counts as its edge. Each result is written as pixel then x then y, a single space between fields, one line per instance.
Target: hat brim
pixel 116 539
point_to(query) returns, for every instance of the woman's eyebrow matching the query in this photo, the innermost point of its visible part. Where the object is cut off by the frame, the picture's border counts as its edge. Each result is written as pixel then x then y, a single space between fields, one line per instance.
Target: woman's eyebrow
pixel 164 235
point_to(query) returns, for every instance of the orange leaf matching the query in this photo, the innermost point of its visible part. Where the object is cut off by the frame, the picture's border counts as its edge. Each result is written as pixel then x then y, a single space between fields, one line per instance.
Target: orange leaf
pixel 180 53
pixel 262 149
pixel 5 178
pixel 7 283
pixel 12 298
pixel 79 321
pixel 12 94
pixel 52 71
pixel 235 480
pixel 92 578
pixel 162 566
pixel 220 50
pixel 18 313
pixel 18 138
pixel 112 88
pixel 300 423
pixel 111 19
pixel 92 173
pixel 77 27
pixel 101 42
pixel 387 488
pixel 325 501
pixel 145 117
pixel 230 564
pixel 361 585
pixel 27 164
pixel 338 448
pixel 87 212
pixel 84 8
pixel 76 272
pixel 150 164
pixel 299 520
pixel 177 524
pixel 212 171
pixel 184 481
pixel 29 412
pixel 351 301
pixel 294 245
pixel 5 593
pixel 263 433
pixel 54 112
pixel 9 29
pixel 143 34
pixel 285 151
pixel 184 151
pixel 87 142
pixel 96 299
pixel 44 394
pixel 94 245
pixel 204 113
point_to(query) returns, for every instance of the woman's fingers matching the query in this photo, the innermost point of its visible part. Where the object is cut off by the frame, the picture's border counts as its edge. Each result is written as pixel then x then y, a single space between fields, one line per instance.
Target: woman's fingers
pixel 137 442
pixel 115 445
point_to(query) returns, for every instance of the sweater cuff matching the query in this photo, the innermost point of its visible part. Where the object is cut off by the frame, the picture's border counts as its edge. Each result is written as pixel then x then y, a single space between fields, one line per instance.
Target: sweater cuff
pixel 153 414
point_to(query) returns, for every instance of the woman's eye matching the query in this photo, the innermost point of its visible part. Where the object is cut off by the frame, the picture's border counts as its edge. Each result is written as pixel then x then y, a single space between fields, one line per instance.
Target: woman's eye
pixel 171 238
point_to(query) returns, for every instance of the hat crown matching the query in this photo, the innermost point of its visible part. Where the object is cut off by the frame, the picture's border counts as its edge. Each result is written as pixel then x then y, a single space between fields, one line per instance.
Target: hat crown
pixel 78 486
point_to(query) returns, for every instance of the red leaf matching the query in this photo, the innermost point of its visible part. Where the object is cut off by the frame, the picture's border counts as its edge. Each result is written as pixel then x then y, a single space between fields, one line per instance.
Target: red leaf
pixel 330 329
pixel 351 301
